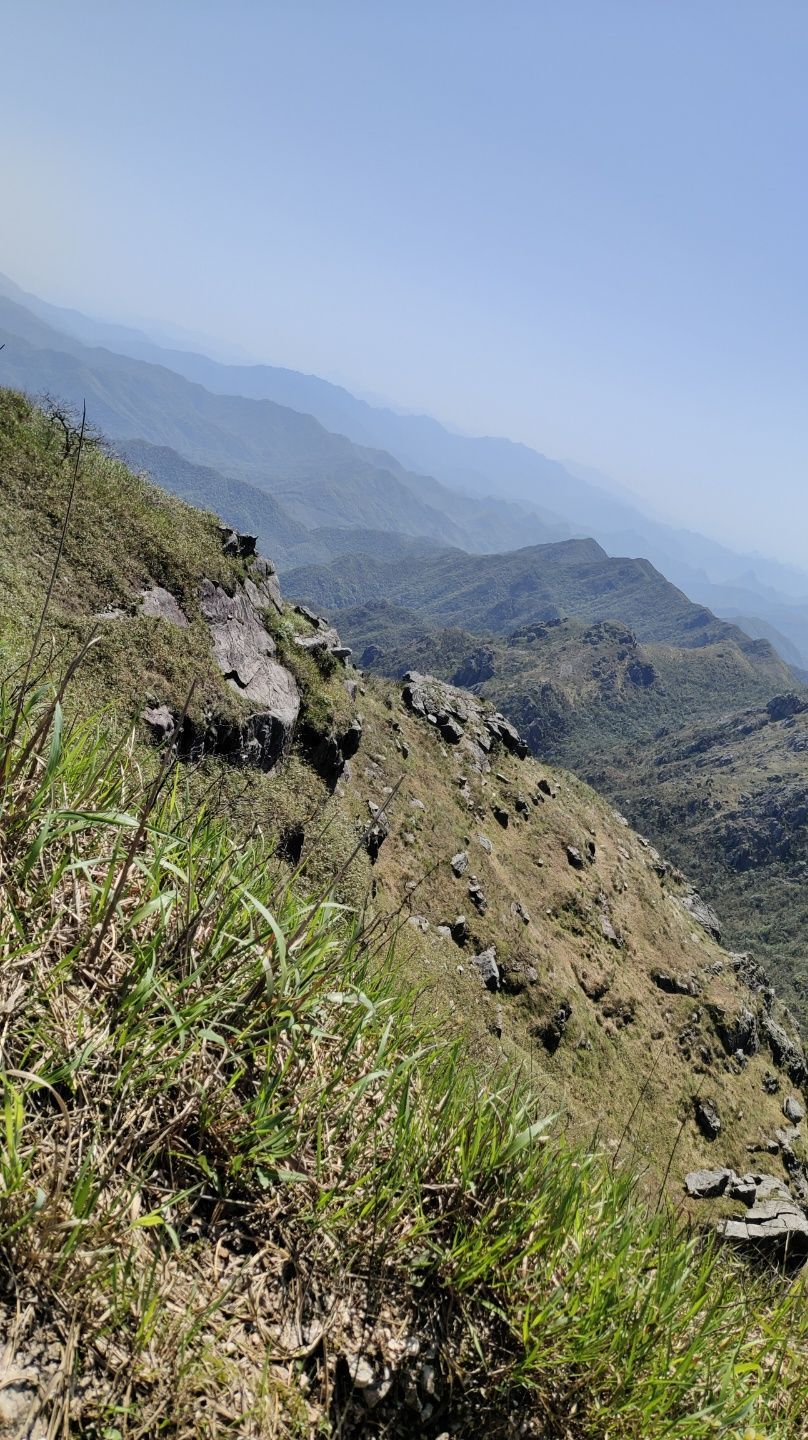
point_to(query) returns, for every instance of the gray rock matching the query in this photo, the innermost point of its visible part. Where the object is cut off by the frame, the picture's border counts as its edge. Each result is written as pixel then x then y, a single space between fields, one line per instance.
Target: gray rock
pixel 779 1225
pixel 244 652
pixel 707 1117
pixel 485 844
pixel 234 543
pixel 261 585
pixel 159 604
pixel 609 933
pixel 460 863
pixel 675 984
pixel 551 1033
pixel 460 930
pixel 574 857
pixel 451 730
pixel 500 815
pixel 786 1051
pixel 702 914
pixel 794 1110
pixel 520 804
pixel 707 1184
pixel 502 730
pixel 487 968
pixel 418 922
pixel 160 721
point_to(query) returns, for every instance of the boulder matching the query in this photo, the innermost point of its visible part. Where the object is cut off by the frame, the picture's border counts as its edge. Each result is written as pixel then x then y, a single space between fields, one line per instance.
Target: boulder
pixel 460 863
pixel 675 984
pixel 574 857
pixel 234 543
pixel 707 1184
pixel 159 604
pixel 262 586
pixel 451 729
pixel 786 1051
pixel 794 1110
pixel 551 1032
pixel 486 965
pixel 500 815
pixel 244 652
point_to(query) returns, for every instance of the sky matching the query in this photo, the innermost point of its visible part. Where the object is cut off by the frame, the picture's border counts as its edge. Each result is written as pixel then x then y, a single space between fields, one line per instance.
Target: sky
pixel 582 224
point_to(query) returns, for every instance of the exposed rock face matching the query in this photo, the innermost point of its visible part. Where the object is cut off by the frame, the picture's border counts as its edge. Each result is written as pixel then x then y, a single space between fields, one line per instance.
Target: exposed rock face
pixel 160 604
pixel 702 914
pixel 245 653
pixel 786 1050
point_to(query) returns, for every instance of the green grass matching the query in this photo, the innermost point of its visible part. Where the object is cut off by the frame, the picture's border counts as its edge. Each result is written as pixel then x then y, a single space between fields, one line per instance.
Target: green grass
pixel 232 1162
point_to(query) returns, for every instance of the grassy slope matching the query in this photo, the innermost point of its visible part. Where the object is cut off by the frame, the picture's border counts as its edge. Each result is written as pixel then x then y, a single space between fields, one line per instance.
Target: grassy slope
pixel 728 806
pixel 185 1105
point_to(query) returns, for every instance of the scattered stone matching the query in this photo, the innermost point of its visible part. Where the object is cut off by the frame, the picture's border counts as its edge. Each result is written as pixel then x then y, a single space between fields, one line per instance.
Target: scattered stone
pixel 545 787
pixel 520 804
pixel 487 968
pixel 500 815
pixel 707 1184
pixel 574 857
pixel 418 922
pixel 590 851
pixel 707 1117
pixel 485 844
pixel 460 863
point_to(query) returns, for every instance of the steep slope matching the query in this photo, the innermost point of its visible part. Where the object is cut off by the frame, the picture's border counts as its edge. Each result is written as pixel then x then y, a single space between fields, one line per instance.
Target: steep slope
pixel 234 1099
pixel 691 744
pixel 542 913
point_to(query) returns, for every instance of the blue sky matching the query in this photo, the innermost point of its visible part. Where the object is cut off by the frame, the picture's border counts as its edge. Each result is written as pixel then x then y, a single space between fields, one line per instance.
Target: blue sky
pixel 583 224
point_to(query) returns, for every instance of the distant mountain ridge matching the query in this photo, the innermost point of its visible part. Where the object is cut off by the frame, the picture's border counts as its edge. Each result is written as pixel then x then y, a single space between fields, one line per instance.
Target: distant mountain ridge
pixel 497 593
pixel 530 498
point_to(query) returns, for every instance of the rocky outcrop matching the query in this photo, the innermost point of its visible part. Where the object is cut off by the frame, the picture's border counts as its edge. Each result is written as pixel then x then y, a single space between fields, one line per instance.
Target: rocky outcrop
pixel 159 604
pixel 702 914
pixel 245 652
pixel 461 717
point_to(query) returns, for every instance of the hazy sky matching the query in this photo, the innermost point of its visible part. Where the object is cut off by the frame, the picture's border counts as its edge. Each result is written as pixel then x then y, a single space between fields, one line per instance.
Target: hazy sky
pixel 583 224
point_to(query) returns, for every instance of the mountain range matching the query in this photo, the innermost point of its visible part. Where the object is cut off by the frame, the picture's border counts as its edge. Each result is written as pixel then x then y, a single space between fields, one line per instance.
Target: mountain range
pixel 490 493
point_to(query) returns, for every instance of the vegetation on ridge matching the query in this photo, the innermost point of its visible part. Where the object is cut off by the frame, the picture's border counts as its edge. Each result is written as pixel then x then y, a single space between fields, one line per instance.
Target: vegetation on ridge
pixel 237 1180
